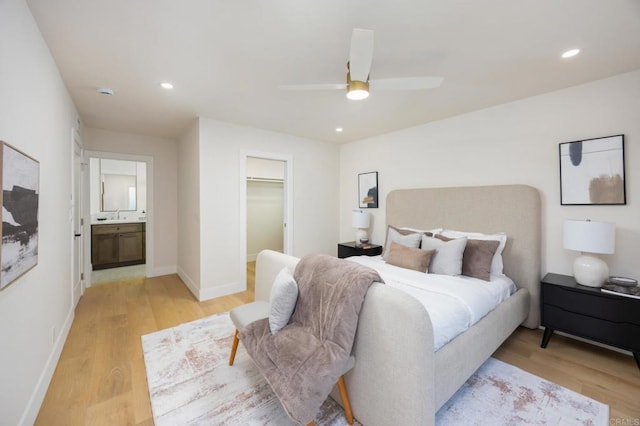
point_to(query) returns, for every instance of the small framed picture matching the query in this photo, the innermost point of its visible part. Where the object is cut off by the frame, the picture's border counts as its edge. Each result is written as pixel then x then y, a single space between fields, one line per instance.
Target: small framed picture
pixel 368 190
pixel 592 171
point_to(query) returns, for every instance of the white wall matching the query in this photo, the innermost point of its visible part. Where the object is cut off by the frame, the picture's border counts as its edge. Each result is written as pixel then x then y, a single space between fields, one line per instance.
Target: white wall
pixel 315 198
pixel 36 116
pixel 512 143
pixel 189 211
pixel 165 187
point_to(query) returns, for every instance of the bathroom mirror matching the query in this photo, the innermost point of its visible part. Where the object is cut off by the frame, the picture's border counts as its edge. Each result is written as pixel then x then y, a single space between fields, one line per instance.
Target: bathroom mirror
pixel 118 185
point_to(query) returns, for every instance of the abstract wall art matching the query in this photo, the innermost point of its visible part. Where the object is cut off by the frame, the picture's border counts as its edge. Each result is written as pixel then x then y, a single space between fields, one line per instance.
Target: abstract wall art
pixel 592 171
pixel 368 190
pixel 20 178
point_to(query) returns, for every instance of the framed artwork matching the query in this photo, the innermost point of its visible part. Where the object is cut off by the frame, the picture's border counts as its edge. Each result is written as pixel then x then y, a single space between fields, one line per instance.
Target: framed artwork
pixel 368 190
pixel 20 179
pixel 592 171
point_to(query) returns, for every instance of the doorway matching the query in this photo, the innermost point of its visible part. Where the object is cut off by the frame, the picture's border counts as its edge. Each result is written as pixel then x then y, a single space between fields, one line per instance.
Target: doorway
pixel 265 206
pixel 119 242
pixel 266 212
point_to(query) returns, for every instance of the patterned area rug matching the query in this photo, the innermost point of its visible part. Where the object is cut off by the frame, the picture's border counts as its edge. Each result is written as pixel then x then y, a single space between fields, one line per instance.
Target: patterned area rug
pixel 191 383
pixel 508 395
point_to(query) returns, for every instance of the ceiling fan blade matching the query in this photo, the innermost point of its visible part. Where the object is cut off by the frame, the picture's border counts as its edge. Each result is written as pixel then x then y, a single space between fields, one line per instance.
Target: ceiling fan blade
pixel 327 86
pixel 361 54
pixel 407 83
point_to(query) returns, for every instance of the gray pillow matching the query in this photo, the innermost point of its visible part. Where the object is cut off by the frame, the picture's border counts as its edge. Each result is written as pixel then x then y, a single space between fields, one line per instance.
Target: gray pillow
pixel 447 260
pixel 394 235
pixel 283 298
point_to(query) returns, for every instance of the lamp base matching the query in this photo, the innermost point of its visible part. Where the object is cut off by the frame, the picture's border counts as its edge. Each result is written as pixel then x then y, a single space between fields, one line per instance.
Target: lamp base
pixel 361 237
pixel 590 271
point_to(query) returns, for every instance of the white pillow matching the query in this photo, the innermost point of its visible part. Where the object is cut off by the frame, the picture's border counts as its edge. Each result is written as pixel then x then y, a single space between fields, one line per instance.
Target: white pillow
pixel 393 236
pixel 496 263
pixel 447 260
pixel 283 298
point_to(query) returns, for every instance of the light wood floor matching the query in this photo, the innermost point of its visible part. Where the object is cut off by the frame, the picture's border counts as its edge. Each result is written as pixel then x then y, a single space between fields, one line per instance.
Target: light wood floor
pixel 100 378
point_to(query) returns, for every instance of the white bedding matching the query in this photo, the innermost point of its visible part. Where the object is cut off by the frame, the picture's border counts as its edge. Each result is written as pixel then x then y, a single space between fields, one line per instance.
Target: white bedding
pixel 454 303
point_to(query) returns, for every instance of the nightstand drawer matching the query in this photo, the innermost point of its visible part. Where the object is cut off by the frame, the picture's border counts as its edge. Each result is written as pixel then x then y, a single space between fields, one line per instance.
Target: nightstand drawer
pixel 351 249
pixel 622 335
pixel 616 309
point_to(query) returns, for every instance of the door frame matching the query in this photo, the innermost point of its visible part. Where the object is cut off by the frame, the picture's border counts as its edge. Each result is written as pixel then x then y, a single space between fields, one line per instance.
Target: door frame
pixel 287 208
pixel 77 178
pixel 149 227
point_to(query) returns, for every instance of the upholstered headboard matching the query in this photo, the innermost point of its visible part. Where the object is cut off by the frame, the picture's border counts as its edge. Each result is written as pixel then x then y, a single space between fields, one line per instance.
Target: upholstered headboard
pixel 513 209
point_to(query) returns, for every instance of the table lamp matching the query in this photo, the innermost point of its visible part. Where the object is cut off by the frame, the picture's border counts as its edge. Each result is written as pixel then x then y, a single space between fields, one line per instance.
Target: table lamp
pixel 360 220
pixel 589 236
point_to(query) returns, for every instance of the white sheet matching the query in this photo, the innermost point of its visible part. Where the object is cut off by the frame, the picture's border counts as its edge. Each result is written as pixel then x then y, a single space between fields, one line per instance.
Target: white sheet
pixel 454 303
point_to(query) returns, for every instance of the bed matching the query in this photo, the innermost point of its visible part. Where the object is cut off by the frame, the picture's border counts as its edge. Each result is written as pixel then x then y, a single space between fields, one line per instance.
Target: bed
pixel 399 378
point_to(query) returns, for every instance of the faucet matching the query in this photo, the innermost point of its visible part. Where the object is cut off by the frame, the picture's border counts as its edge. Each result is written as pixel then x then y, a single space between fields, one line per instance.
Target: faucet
pixel 117 214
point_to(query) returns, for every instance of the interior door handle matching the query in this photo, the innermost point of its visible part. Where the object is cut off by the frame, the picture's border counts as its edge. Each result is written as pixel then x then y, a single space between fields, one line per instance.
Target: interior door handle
pixel 77 235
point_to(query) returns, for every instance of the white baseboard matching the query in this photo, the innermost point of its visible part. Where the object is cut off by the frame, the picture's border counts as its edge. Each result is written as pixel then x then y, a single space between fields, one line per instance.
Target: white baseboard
pixel 191 285
pixel 163 270
pixel 37 397
pixel 221 290
pixel 209 293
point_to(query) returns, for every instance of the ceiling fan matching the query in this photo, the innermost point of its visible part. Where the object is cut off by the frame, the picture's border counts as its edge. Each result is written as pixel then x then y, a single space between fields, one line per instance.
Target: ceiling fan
pixel 358 83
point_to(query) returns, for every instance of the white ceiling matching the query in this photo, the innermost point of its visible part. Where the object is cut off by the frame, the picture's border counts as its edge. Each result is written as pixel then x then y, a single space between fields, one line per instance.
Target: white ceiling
pixel 227 57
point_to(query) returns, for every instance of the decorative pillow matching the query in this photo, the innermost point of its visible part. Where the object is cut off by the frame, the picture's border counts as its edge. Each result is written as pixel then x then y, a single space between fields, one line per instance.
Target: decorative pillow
pixel 477 258
pixel 496 264
pixel 409 257
pixel 427 232
pixel 447 260
pixel 403 237
pixel 283 298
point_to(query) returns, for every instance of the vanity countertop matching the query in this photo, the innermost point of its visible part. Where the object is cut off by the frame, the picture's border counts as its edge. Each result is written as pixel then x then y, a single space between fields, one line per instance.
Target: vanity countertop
pixel 116 221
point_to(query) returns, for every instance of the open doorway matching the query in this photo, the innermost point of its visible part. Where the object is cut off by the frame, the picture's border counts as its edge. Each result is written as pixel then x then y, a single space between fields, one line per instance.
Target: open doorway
pixel 265 206
pixel 266 212
pixel 119 238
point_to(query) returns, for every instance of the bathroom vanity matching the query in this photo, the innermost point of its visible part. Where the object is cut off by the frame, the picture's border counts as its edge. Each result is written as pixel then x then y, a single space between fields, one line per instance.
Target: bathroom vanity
pixel 117 244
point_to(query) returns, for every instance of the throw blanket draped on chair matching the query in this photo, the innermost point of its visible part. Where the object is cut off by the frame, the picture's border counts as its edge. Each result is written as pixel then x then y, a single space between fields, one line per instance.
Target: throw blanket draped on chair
pixel 304 360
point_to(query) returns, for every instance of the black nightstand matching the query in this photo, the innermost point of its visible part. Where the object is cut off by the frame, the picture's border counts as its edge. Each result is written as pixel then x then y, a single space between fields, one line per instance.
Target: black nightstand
pixel 350 249
pixel 589 313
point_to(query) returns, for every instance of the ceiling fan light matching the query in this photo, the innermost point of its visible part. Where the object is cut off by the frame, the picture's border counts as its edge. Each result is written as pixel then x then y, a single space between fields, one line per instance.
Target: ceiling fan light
pixel 357 90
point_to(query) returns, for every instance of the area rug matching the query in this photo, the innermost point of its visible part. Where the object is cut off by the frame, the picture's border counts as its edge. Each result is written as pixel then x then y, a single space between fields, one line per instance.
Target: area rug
pixel 191 383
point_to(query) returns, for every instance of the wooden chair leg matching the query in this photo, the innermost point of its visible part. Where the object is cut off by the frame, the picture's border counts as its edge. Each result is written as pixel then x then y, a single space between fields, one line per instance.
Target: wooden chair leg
pixel 234 348
pixel 345 400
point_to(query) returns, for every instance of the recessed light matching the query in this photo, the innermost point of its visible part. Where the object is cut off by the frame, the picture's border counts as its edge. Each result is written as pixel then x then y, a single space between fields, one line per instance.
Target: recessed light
pixel 339 129
pixel 166 85
pixel 570 53
pixel 107 91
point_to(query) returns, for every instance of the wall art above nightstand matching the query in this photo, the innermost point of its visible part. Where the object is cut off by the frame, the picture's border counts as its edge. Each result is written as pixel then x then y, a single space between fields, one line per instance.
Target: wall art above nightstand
pixel 592 171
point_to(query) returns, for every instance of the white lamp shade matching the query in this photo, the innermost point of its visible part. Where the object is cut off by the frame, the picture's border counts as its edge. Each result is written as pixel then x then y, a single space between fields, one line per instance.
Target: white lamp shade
pixel 360 219
pixel 590 236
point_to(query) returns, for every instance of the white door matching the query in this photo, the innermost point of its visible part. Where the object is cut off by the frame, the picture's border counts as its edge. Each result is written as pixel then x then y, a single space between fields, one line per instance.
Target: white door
pixel 76 221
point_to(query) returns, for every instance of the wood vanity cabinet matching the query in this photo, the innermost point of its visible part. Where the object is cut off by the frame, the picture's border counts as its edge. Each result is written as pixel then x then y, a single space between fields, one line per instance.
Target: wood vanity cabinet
pixel 118 244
